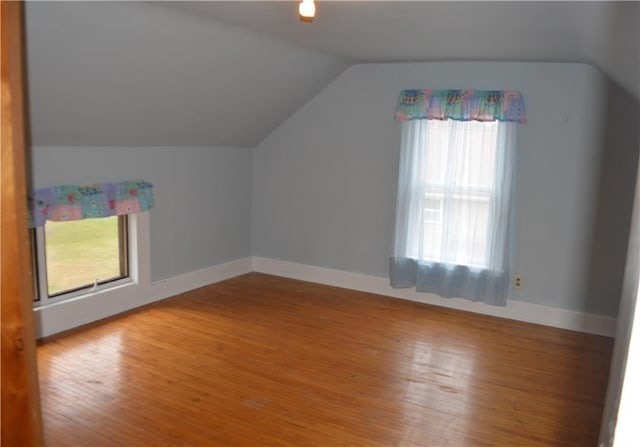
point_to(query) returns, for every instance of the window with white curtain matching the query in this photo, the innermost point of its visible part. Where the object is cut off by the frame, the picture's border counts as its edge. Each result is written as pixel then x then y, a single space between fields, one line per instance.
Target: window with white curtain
pixel 454 204
pixel 457 185
pixel 455 181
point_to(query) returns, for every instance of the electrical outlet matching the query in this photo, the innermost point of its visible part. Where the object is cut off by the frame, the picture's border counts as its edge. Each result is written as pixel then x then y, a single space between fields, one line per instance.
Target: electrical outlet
pixel 518 282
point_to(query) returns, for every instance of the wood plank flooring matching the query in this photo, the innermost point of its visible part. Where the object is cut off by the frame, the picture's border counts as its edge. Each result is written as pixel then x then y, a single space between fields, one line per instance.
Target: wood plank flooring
pixel 265 361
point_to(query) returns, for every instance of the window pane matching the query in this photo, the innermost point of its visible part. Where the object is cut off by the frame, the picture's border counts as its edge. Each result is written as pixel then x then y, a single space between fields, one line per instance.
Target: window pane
pixel 469 220
pixel 432 203
pixel 461 154
pixel 80 252
pixel 479 154
pixel 432 216
pixel 432 241
pixel 458 177
pixel 436 155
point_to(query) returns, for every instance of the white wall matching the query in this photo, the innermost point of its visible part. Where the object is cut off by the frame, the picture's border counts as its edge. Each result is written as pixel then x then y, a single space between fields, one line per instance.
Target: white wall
pixel 203 197
pixel 324 182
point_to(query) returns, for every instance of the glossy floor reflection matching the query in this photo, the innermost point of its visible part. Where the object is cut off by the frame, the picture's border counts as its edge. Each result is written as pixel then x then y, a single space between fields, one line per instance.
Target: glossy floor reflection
pixel 266 361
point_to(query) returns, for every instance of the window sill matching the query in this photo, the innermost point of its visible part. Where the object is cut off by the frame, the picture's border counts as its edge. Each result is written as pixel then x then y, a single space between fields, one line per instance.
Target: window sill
pixel 101 290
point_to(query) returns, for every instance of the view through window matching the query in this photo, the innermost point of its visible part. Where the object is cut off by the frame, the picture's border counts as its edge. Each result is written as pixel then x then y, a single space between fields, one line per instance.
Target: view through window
pixel 82 254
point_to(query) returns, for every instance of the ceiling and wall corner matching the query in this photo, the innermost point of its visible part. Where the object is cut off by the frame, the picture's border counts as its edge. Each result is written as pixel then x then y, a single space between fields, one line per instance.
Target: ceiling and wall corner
pixel 229 73
pixel 605 34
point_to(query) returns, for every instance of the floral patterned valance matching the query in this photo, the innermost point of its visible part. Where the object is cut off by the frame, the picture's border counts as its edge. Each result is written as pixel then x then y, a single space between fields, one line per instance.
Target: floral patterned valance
pixel 461 105
pixel 68 202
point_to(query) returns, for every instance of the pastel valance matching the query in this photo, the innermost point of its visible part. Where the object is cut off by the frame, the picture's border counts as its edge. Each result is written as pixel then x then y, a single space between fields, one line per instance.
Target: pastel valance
pixel 70 202
pixel 461 105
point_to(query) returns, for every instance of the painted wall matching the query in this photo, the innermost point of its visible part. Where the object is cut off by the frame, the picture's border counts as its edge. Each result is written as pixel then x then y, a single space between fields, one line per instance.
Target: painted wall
pixel 324 182
pixel 203 197
pixel 626 336
pixel 615 200
pixel 623 130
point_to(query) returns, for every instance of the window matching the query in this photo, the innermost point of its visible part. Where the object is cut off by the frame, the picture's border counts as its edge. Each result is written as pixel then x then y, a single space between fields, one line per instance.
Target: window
pixel 453 206
pixel 459 173
pixel 74 257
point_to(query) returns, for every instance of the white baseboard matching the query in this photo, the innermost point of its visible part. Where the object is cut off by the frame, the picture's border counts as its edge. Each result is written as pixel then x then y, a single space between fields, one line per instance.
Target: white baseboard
pixel 72 313
pixel 514 310
pixel 166 288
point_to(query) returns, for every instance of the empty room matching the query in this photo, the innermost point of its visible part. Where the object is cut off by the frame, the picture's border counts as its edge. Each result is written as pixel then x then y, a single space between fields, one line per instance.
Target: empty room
pixel 329 223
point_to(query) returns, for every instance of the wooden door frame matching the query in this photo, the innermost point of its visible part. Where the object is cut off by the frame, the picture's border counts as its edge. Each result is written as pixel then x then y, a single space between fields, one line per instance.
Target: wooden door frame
pixel 20 398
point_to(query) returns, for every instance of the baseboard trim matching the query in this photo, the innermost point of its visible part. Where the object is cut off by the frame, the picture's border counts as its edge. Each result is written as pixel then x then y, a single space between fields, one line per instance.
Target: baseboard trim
pixel 514 310
pixel 176 285
pixel 69 314
pixel 72 313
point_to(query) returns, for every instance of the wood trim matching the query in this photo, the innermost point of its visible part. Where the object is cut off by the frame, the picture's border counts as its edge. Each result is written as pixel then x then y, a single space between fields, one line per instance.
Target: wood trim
pixel 20 401
pixel 123 245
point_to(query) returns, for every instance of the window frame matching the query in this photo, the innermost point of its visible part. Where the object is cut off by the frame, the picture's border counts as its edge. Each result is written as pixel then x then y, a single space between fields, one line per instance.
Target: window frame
pixel 41 289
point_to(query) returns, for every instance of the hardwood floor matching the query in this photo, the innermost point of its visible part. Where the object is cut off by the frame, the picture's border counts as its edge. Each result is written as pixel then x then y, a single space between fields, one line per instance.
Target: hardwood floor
pixel 265 361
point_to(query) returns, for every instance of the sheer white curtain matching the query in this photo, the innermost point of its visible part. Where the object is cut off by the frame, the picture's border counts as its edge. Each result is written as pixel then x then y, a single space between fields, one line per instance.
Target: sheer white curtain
pixel 453 209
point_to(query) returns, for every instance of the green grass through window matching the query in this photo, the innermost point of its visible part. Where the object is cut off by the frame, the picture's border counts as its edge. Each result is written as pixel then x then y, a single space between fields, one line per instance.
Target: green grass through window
pixel 80 252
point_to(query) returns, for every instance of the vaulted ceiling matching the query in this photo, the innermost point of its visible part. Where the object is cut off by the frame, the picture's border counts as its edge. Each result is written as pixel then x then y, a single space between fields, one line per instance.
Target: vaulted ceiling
pixel 228 73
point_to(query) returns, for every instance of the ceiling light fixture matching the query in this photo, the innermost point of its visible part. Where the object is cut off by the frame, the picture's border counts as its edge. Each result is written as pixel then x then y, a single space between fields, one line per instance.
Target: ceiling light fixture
pixel 307 10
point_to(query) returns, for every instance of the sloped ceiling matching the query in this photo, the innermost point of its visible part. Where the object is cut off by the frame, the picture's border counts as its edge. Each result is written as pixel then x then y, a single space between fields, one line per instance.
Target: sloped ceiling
pixel 139 74
pixel 228 73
